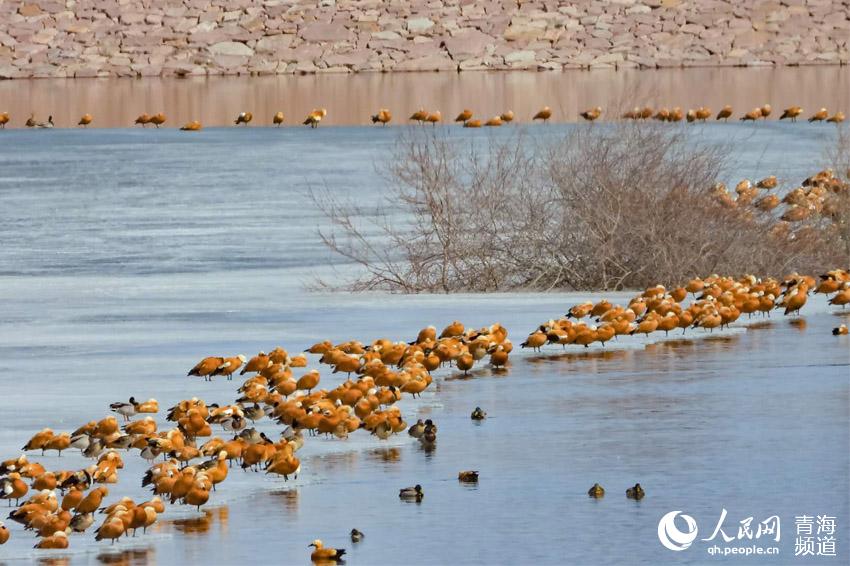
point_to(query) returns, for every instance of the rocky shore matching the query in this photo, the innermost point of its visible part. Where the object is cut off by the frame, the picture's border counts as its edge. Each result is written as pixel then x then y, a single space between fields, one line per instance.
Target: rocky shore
pixel 118 38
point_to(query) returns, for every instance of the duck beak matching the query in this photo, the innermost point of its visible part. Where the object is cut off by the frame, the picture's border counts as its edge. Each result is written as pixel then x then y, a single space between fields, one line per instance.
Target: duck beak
pixel 309 545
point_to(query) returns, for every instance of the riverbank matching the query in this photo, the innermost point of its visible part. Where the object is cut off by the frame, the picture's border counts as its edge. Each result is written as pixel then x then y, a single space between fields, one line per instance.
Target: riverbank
pixel 110 38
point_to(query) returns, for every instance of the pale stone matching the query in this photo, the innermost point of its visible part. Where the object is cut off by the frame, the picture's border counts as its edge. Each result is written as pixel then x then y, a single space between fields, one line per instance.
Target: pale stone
pixel 228 61
pixel 231 48
pixel 419 25
pixel 86 72
pixel 204 27
pixel 45 36
pixel 520 57
pixel 321 33
pixel 148 70
pixel 119 37
pixel 132 18
pixel 305 67
pixel 274 43
pixel 750 39
pixel 470 43
pixel 29 10
pixel 522 29
pixel 428 63
pixel 334 70
pixel 474 64
pixel 350 59
pixel 386 35
pixel 608 58
pixel 252 24
pixel 550 66
pixel 10 72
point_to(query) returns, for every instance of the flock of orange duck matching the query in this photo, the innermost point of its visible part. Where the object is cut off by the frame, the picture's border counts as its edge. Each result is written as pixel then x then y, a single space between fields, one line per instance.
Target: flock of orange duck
pixel 817 195
pixel 196 459
pixel 469 120
pixel 718 302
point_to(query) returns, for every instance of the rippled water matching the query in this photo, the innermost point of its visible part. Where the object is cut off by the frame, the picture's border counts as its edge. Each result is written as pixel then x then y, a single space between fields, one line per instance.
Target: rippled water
pixel 128 255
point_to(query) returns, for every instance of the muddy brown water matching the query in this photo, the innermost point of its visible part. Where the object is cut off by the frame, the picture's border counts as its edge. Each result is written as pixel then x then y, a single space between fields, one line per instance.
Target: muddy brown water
pixel 351 99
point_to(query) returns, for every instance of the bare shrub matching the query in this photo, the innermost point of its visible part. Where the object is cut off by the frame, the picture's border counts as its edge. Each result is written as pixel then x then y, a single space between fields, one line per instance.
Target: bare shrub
pixel 604 207
pixel 837 203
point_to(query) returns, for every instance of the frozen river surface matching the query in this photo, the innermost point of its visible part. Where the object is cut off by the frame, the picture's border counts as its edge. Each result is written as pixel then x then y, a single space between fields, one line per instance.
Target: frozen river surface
pixel 126 256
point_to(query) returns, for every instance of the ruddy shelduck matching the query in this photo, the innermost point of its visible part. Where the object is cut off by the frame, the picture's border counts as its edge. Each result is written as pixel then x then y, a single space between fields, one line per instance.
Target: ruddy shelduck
pixel 819 116
pixel 419 116
pixel 543 114
pixel 206 366
pixel 13 487
pixel 383 117
pixel 228 366
pixel 322 554
pixel 112 529
pixel 58 540
pixel 464 116
pixel 791 113
pixel 315 117
pixel 192 126
pixel 752 115
pixel 39 440
pixel 535 341
pixel 592 113
pixel 158 119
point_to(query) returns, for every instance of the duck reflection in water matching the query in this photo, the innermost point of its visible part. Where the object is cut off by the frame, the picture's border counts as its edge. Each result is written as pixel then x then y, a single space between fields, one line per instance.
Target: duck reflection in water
pixel 289 499
pixel 200 525
pixel 223 516
pixel 385 454
pixel 130 557
pixel 610 354
pixel 676 345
